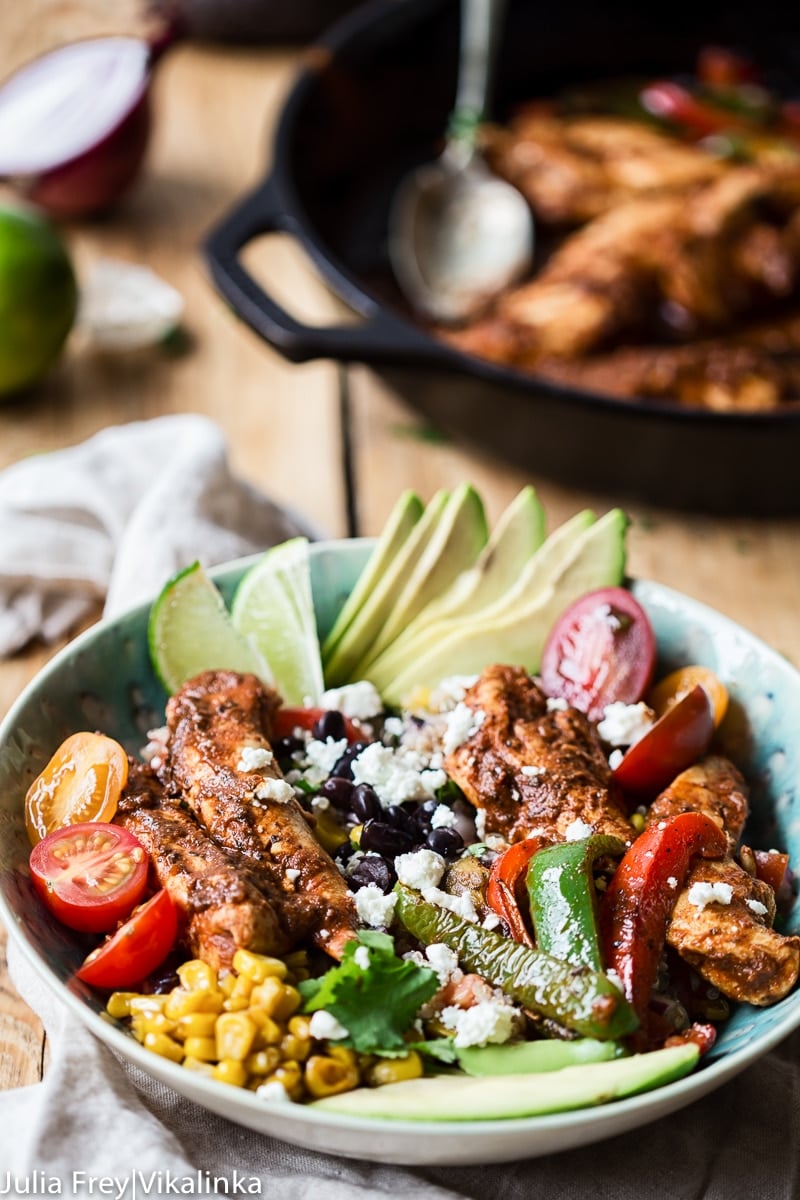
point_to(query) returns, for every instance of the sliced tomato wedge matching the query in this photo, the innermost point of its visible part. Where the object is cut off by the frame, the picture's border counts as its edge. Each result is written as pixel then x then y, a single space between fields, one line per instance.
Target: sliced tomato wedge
pixel 82 782
pixel 286 720
pixel 136 949
pixel 90 875
pixel 676 741
pixel 772 867
pixel 601 650
pixel 676 685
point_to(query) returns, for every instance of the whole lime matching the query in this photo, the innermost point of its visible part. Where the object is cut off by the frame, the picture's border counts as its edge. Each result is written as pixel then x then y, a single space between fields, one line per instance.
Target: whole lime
pixel 38 298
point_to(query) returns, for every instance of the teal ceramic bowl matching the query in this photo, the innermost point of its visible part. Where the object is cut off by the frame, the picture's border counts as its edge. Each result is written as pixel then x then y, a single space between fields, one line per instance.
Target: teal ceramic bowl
pixel 104 680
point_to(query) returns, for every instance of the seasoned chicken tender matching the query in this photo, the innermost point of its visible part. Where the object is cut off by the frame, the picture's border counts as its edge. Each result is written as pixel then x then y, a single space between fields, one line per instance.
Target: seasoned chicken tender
pixel 733 945
pixel 713 786
pixel 221 764
pixel 532 769
pixel 218 894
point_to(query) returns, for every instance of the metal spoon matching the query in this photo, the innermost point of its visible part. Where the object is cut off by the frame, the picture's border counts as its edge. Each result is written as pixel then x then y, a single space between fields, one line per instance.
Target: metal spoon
pixel 458 234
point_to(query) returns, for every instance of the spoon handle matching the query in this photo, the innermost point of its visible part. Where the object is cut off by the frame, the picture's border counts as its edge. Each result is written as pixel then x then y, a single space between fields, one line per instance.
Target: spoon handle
pixel 481 22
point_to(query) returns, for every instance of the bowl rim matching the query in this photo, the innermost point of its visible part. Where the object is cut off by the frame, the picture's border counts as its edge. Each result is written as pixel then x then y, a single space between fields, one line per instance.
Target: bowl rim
pixel 648 1106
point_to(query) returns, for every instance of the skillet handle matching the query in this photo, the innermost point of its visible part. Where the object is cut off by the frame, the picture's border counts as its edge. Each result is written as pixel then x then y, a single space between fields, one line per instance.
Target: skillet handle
pixel 382 338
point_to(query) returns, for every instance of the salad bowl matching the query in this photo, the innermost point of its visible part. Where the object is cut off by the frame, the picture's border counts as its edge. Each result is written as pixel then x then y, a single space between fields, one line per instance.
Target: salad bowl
pixel 104 680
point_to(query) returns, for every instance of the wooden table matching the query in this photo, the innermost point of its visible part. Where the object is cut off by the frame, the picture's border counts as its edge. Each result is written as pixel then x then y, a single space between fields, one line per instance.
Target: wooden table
pixel 289 427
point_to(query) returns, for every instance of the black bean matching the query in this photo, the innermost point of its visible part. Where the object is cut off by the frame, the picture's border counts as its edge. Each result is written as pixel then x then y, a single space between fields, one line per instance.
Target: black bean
pixel 344 853
pixel 423 815
pixel 364 802
pixel 372 869
pixel 343 767
pixel 385 839
pixel 330 725
pixel 284 747
pixel 445 841
pixel 397 817
pixel 339 792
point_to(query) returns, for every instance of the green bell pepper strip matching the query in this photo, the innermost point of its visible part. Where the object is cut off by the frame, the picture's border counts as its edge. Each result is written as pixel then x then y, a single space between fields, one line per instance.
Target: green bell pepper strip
pixel 575 997
pixel 563 902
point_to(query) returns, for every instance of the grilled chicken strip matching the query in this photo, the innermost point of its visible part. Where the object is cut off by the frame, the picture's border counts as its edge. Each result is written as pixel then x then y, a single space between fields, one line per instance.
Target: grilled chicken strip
pixel 221 764
pixel 531 769
pixel 219 896
pixel 733 945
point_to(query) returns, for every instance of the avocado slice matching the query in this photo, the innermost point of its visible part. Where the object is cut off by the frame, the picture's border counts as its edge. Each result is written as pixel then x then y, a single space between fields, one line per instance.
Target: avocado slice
pixel 533 1058
pixel 402 519
pixel 515 629
pixel 517 536
pixel 357 639
pixel 459 537
pixel 493 1098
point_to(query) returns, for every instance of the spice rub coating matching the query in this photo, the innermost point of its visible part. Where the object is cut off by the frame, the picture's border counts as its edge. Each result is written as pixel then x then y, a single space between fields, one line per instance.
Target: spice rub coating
pixel 530 768
pixel 221 764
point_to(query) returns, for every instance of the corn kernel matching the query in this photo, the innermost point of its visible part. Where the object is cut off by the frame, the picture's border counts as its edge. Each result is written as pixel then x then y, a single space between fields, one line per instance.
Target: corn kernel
pixel 151 1023
pixel 195 1025
pixel 343 1054
pixel 262 1062
pixel 355 835
pixel 202 1068
pixel 295 1049
pixel 268 1032
pixel 277 999
pixel 300 1026
pixel 147 1005
pixel 291 1076
pixel 119 1004
pixel 258 966
pixel 326 1076
pixel 163 1044
pixel 181 1002
pixel 197 976
pixel 393 1070
pixel 637 821
pixel 235 1004
pixel 204 1048
pixel 229 1070
pixel 235 1036
pixel 243 986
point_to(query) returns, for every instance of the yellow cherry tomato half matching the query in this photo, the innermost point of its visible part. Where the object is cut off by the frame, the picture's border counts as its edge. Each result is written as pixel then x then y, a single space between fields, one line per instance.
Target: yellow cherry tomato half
pixel 82 782
pixel 678 684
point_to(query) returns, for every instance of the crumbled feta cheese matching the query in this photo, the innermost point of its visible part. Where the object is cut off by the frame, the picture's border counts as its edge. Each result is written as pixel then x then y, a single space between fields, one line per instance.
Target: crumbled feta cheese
pixel 254 758
pixel 495 841
pixel 444 962
pixel 485 1023
pixel 420 869
pixel 275 789
pixel 757 907
pixel 397 775
pixel 393 727
pixel 292 874
pixel 615 758
pixel 443 817
pixel 451 691
pixel 556 704
pixel 613 977
pixel 624 724
pixel 358 700
pixel 462 723
pixel 320 803
pixel 374 908
pixel 672 881
pixel 480 824
pixel 323 1025
pixel 701 894
pixel 319 759
pixel 462 906
pixel 578 830
pixel 274 1093
pixel 491 921
pixel 361 958
pixel 532 772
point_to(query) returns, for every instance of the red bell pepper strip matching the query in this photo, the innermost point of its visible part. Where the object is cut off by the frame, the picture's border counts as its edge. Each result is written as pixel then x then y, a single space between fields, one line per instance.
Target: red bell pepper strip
pixel 771 868
pixel 672 102
pixel 506 894
pixel 639 900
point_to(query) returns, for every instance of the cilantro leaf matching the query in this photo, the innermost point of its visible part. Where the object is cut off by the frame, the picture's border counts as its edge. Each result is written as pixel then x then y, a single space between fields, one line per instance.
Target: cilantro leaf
pixel 376 1005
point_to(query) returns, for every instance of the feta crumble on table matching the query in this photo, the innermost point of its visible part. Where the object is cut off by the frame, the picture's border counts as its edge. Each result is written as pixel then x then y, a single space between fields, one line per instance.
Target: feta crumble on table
pixel 702 894
pixel 757 907
pixel 275 789
pixel 486 1023
pixel 374 908
pixel 462 905
pixel 443 817
pixel 361 958
pixel 359 700
pixel 462 724
pixel 254 758
pixel 420 869
pixel 556 704
pixel 397 775
pixel 323 1025
pixel 578 830
pixel 625 724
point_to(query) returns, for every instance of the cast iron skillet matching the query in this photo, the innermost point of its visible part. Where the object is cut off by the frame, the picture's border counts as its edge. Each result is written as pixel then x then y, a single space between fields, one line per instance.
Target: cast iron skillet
pixel 368 105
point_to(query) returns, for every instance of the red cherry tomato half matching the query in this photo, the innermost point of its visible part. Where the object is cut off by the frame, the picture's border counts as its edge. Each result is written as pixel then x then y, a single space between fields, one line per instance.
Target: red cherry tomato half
pixel 286 720
pixel 676 741
pixel 90 875
pixel 136 949
pixel 601 650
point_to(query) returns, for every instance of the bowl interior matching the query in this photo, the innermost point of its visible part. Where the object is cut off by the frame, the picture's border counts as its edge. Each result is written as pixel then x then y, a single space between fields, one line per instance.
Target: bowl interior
pixel 104 681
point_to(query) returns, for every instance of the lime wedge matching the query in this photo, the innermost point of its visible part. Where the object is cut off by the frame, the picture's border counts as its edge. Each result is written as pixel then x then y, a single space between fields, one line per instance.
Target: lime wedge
pixel 273 610
pixel 190 631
